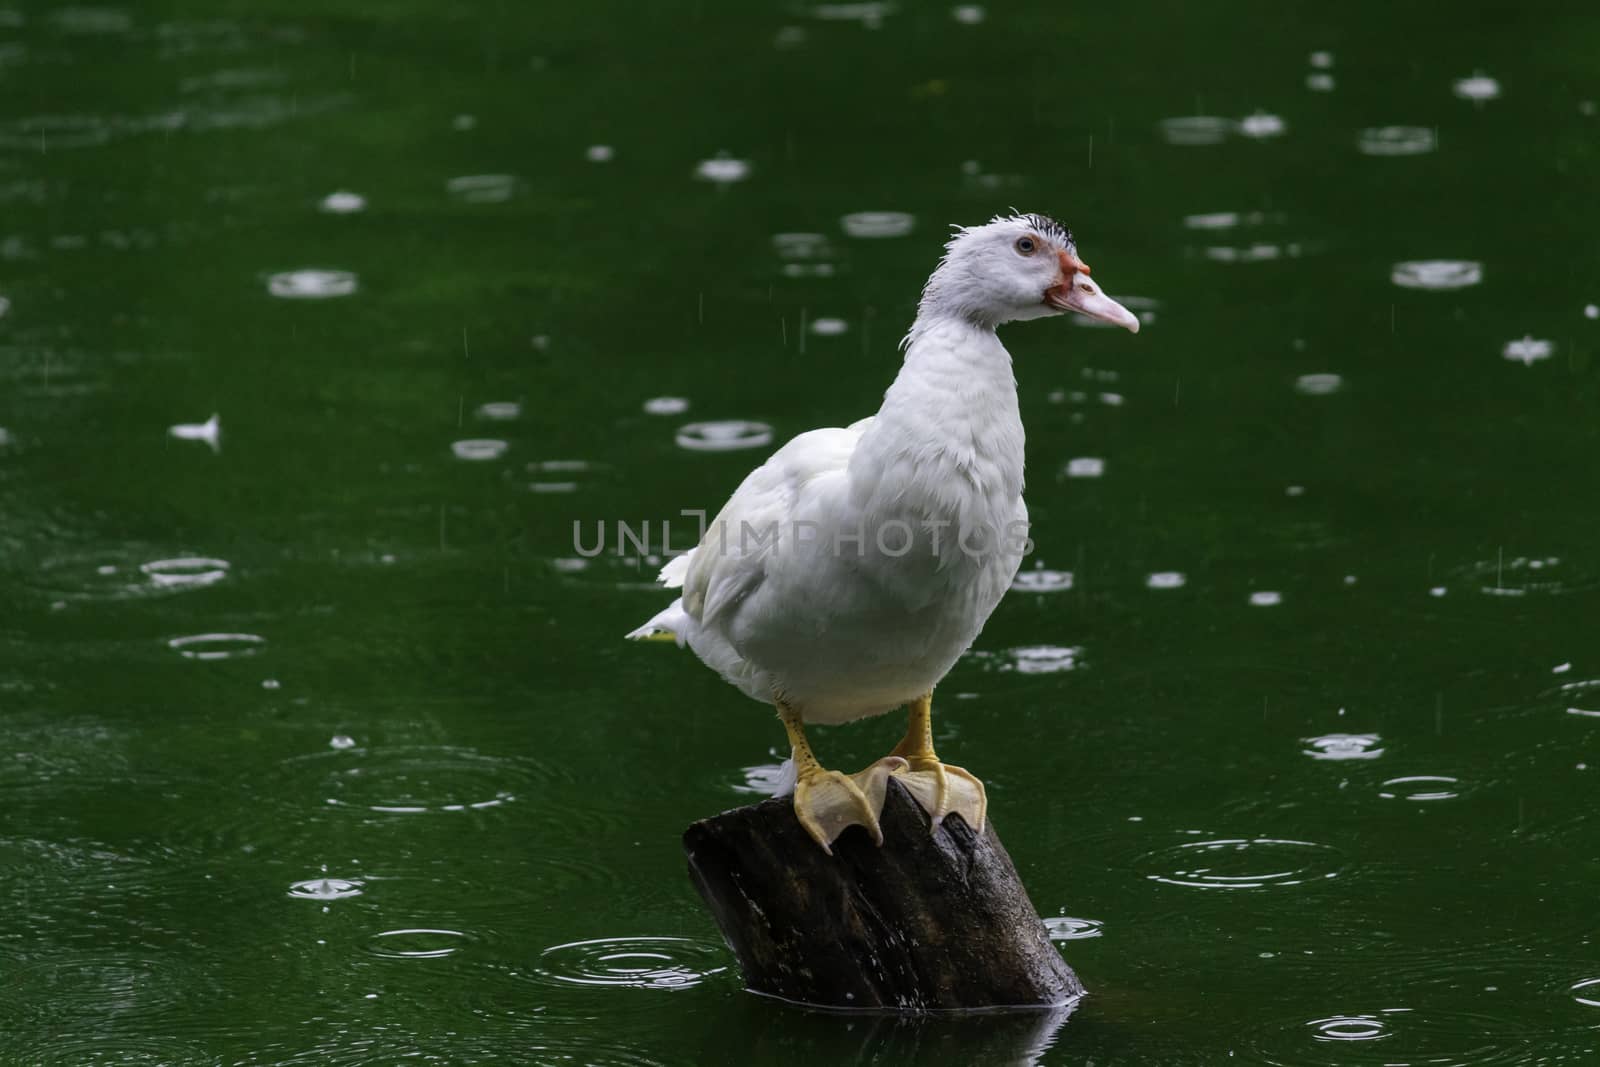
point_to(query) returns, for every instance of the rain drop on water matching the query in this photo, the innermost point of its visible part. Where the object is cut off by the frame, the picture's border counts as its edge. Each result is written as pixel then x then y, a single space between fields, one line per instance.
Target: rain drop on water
pixel 1527 350
pixel 312 283
pixel 1436 274
pixel 878 224
pixel 343 203
pixel 723 436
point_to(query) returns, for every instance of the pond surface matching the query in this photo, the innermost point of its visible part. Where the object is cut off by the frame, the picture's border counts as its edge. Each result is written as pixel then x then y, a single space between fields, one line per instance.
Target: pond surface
pixel 322 323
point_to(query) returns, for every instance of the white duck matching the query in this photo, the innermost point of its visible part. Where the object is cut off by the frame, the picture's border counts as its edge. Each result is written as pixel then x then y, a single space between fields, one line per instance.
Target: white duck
pixel 849 571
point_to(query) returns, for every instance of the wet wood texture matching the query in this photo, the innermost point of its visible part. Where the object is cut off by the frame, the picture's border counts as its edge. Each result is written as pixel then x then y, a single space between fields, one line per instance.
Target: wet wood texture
pixel 929 922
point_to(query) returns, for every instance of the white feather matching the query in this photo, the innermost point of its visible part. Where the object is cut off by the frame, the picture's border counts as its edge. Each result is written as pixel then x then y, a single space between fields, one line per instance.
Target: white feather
pixel 839 627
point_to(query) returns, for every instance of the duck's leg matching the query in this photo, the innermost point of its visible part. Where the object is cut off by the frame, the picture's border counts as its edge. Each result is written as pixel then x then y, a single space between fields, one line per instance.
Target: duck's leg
pixel 939 787
pixel 826 802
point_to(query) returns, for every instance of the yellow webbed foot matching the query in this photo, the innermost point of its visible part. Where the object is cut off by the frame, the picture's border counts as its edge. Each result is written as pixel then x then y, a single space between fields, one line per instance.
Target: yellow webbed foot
pixel 828 802
pixel 943 789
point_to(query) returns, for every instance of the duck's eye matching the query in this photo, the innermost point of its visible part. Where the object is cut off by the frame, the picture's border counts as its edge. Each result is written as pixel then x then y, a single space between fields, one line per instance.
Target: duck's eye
pixel 1026 246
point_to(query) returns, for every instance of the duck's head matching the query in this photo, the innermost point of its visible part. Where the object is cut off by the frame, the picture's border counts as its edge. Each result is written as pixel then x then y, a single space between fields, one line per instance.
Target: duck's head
pixel 1018 267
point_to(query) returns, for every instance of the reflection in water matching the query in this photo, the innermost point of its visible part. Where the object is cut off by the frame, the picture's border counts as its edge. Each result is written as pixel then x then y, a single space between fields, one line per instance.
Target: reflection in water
pixel 1587 992
pixel 878 224
pixel 1436 274
pixel 1320 81
pixel 599 153
pixel 1165 580
pixel 968 14
pixel 209 432
pixel 1343 747
pixel 1396 140
pixel 724 436
pixel 1266 598
pixel 661 963
pixel 722 170
pixel 826 327
pixel 1241 863
pixel 1528 350
pixel 789 1033
pixel 1085 467
pixel 312 283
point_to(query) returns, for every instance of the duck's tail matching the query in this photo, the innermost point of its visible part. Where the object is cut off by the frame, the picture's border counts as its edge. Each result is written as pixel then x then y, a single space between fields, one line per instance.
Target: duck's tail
pixel 671 624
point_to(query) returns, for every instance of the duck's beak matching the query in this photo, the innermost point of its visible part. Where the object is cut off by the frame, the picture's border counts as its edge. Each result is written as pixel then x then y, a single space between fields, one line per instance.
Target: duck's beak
pixel 1075 292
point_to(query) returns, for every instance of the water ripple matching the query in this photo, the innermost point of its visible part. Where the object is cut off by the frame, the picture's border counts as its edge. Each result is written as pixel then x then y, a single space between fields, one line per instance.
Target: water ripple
pixel 1519 576
pixel 666 405
pixel 1066 928
pixel 312 283
pixel 479 449
pixel 1421 787
pixel 1396 141
pixel 658 963
pixel 1580 698
pixel 1393 1036
pixel 1436 273
pixel 217 646
pixel 482 188
pixel 1343 747
pixel 417 943
pixel 1040 580
pixel 1318 384
pixel 325 889
pixel 724 436
pixel 1241 863
pixel 722 170
pixel 186 572
pixel 878 224
pixel 1042 659
pixel 1528 350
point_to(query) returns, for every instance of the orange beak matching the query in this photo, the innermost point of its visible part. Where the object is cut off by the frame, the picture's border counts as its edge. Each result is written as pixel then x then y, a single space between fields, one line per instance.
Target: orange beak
pixel 1081 295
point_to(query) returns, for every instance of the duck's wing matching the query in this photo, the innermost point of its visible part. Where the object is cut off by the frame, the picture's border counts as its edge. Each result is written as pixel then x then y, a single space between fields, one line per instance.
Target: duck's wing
pixel 804 480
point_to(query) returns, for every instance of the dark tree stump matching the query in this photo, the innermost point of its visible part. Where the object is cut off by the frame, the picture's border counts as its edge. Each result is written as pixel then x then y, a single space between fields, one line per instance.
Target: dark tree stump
pixel 929 922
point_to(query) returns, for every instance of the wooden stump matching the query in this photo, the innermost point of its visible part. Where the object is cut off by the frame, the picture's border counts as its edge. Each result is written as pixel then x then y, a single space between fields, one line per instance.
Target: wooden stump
pixel 929 922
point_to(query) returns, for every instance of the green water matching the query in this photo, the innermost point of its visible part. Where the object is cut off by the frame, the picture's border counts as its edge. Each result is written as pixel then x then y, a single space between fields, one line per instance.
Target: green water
pixel 428 809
